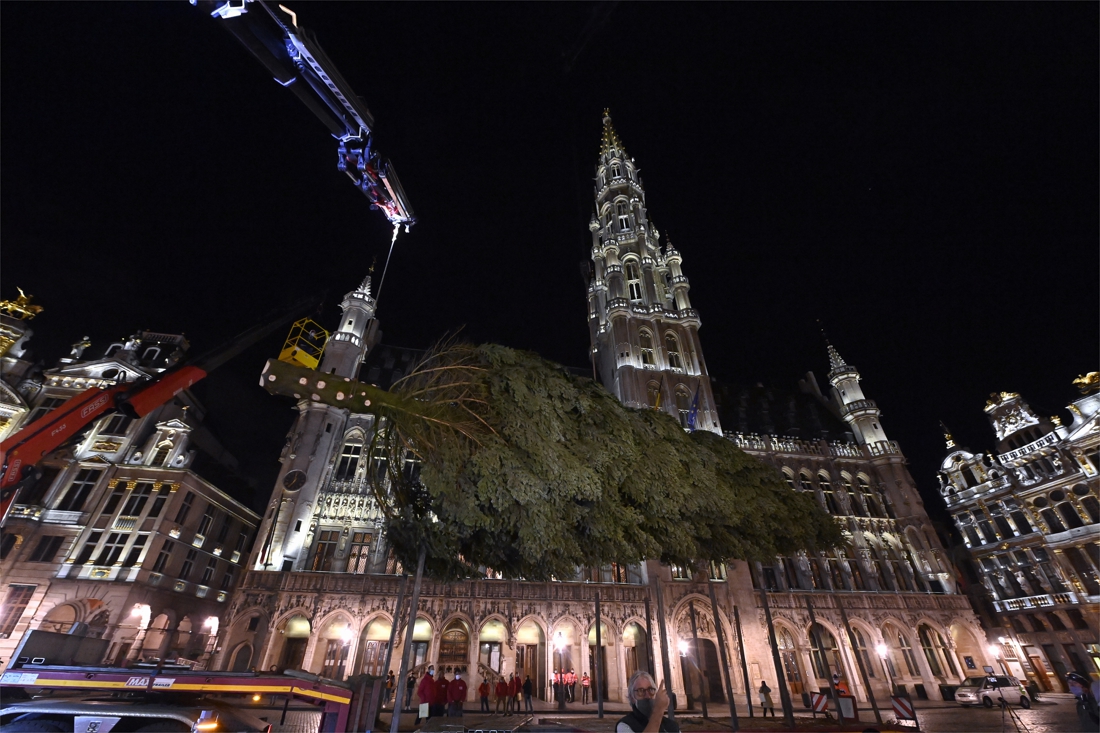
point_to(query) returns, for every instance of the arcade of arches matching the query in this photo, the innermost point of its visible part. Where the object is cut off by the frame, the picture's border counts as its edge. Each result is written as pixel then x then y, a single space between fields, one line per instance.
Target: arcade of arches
pixel 487 636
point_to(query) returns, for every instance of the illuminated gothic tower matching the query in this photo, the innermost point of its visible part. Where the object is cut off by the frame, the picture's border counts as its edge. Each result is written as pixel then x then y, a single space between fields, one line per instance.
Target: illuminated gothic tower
pixel 306 479
pixel 644 333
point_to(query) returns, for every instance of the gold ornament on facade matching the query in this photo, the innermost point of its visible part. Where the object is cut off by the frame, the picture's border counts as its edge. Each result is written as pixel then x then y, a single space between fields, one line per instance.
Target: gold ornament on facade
pixel 21 307
pixel 999 398
pixel 1088 383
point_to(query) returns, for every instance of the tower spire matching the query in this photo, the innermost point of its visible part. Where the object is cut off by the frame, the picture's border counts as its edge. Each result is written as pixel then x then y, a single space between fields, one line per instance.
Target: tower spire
pixel 610 144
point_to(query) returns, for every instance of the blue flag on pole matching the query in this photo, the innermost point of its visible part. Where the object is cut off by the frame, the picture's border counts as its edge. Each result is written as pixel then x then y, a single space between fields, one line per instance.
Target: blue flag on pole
pixel 693 413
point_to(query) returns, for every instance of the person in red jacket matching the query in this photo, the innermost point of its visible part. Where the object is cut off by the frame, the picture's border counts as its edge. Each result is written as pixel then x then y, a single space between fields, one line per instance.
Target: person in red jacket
pixel 502 695
pixel 441 698
pixel 456 695
pixel 515 687
pixel 483 693
pixel 426 691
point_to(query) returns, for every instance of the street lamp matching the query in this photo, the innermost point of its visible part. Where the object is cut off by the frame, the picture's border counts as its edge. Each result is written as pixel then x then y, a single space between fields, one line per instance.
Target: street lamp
pixel 559 679
pixel 884 651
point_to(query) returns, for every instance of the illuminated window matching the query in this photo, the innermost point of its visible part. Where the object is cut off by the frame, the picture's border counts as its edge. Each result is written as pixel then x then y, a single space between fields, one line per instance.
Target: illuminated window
pixel 349 459
pixel 359 554
pixel 633 280
pixel 622 211
pixel 15 603
pixel 325 550
pixel 645 342
pixel 672 346
pixel 160 458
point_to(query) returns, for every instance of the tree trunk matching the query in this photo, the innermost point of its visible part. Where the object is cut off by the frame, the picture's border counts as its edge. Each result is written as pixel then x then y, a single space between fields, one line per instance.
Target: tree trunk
pixel 414 604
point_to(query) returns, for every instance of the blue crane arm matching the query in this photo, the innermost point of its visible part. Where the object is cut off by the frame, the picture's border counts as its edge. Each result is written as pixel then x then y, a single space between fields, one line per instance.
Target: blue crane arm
pixel 296 60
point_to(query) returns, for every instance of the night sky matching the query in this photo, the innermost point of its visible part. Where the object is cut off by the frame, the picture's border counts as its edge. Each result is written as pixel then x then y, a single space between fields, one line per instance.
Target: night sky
pixel 920 177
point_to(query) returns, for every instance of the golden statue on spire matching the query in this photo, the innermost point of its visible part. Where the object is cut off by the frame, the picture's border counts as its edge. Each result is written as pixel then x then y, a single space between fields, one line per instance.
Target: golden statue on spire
pixel 21 307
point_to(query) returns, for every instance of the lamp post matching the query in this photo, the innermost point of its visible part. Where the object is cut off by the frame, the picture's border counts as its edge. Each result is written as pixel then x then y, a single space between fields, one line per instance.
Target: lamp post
pixel 559 688
pixel 883 651
pixel 212 623
pixel 143 614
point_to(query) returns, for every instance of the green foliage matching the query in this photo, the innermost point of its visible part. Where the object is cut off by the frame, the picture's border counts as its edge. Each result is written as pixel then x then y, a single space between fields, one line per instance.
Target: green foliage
pixel 532 471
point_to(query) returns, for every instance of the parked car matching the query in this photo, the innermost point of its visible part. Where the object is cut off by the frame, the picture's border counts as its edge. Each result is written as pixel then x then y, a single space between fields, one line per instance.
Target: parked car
pixel 54 715
pixel 989 690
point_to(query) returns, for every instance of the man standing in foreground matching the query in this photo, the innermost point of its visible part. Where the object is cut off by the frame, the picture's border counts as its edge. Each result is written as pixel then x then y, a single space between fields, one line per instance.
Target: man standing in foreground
pixel 648 705
pixel 456 695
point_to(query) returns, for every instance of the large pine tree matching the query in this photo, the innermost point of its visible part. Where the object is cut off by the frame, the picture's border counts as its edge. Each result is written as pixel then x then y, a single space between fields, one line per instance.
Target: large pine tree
pixel 529 470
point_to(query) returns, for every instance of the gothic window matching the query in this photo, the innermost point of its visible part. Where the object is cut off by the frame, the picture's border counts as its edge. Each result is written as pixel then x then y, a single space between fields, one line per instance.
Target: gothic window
pixel 653 394
pixel 804 482
pixel 862 650
pixel 890 634
pixel 831 503
pixel 789 654
pixel 349 458
pixel 789 478
pixel 683 404
pixel 359 554
pixel 924 633
pixel 633 280
pixel 857 503
pixel 824 653
pixel 78 491
pixel 454 645
pixel 616 170
pixel 672 346
pixel 645 343
pixel 325 550
pixel 870 500
pixel 622 211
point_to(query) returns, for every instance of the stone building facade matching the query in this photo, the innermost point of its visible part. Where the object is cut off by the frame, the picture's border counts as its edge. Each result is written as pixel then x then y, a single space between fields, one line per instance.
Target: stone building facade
pixel 321 592
pixel 120 537
pixel 1029 513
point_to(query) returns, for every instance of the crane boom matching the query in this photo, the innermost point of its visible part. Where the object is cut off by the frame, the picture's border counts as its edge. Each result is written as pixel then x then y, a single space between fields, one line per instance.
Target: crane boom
pixel 292 55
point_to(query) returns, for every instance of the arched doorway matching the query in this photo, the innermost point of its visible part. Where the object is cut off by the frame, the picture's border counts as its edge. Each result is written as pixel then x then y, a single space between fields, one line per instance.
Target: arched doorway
pixel 157 637
pixel 491 640
pixel 60 619
pixel 937 653
pixel 374 644
pixel 967 649
pixel 296 632
pixel 531 656
pixel 242 658
pixel 332 649
pixel 792 669
pixel 701 675
pixel 182 640
pixel 454 645
pixel 563 640
pixel 600 658
pixel 635 650
pixel 422 642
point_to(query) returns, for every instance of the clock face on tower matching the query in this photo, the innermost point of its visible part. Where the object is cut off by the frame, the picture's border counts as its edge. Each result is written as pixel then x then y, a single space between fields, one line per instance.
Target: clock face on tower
pixel 294 480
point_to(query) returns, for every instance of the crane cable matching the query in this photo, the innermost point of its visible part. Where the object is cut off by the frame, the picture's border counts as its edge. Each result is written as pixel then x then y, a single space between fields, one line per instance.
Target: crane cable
pixel 378 293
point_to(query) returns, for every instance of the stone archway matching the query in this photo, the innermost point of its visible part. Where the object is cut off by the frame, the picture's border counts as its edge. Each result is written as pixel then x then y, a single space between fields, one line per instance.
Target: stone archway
pixel 60 619
pixel 242 658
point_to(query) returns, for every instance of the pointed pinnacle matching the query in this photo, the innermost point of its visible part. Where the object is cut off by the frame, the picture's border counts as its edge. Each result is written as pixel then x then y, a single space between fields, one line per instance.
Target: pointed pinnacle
pixel 947 435
pixel 610 139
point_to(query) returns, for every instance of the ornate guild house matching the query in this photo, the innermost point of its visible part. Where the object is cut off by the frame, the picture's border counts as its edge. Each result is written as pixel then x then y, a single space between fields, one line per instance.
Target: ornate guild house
pixel 1029 514
pixel 321 588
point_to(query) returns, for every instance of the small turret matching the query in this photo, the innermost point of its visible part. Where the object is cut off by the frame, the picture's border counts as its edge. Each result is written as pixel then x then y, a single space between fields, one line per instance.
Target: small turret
pixel 350 343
